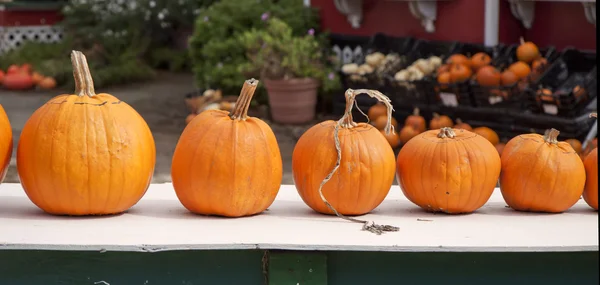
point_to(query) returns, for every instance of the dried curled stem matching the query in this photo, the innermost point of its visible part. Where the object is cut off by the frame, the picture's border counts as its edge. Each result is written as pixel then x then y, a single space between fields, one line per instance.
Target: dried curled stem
pixel 347 122
pixel 84 84
pixel 240 111
pixel 551 136
pixel 446 133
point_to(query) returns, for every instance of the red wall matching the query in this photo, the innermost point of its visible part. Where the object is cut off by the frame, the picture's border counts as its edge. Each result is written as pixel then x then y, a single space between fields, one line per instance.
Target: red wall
pixel 556 23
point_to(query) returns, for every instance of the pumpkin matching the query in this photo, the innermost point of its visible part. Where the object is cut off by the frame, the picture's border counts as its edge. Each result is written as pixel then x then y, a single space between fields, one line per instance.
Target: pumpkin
pixel 434 174
pixel 407 133
pixel 590 192
pixel 462 125
pixel 460 73
pixel 36 77
pixel 17 81
pixel 579 91
pixel 480 60
pixel 85 153
pixel 488 76
pixel 377 111
pixel 541 174
pixel 47 83
pixel 381 121
pixel 240 179
pixel 520 69
pixel 488 134
pixel 26 68
pixel 443 68
pixel 438 122
pixel 539 65
pixel 527 52
pixel 356 161
pixel 592 144
pixel 575 144
pixel 6 143
pixel 500 147
pixel 416 121
pixel 444 77
pixel 189 118
pixel 458 59
pixel 508 78
pixel 13 68
pixel 392 138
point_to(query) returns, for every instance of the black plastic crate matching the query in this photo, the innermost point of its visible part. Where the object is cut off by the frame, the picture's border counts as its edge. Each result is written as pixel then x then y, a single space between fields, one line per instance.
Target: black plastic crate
pixel 567 87
pixel 509 97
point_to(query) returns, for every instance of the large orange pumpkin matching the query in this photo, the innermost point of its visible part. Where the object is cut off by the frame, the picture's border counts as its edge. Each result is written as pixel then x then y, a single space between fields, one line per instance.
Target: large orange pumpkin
pixel 434 174
pixel 590 162
pixel 354 158
pixel 226 163
pixel 541 174
pixel 488 134
pixel 85 153
pixel 6 143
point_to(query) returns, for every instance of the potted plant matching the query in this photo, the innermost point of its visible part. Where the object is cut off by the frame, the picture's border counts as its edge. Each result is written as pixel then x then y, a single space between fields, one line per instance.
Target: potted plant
pixel 291 67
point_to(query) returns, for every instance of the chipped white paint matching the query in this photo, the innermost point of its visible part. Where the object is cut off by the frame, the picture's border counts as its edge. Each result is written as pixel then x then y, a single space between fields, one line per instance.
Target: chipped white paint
pixel 159 222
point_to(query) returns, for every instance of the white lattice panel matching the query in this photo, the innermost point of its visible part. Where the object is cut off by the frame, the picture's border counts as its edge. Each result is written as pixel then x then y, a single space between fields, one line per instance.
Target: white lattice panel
pixel 13 37
pixel 346 54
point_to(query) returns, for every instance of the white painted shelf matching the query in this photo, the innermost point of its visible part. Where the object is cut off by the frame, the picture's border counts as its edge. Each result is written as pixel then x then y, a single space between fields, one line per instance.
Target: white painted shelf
pixel 159 222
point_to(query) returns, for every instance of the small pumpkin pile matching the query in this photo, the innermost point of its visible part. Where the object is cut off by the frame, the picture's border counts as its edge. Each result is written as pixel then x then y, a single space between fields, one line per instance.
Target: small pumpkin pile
pixel 23 77
pixel 209 100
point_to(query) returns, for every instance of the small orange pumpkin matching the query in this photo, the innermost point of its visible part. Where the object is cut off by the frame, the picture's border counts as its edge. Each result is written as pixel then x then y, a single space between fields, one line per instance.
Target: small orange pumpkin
pixel 488 76
pixel 508 78
pixel 85 153
pixel 392 137
pixel 36 77
pixel 407 133
pixel 189 118
pixel 527 52
pixel 243 178
pixel 439 121
pixel 539 65
pixel 480 60
pixel 377 111
pixel 462 125
pixel 520 69
pixel 575 144
pixel 444 77
pixel 488 134
pixel 356 159
pixel 433 174
pixel 381 121
pixel 458 59
pixel 416 121
pixel 6 143
pixel 460 73
pixel 541 174
pixel 47 83
pixel 17 81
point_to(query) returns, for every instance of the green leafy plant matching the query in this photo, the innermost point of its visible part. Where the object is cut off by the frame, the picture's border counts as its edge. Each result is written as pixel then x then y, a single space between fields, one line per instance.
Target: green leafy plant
pixel 275 53
pixel 215 48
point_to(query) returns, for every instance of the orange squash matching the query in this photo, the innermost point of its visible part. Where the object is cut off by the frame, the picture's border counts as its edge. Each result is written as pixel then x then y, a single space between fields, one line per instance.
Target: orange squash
pixel 480 60
pixel 488 76
pixel 358 162
pixel 590 162
pixel 438 122
pixel 6 143
pixel 85 153
pixel 460 73
pixel 508 78
pixel 407 133
pixel 416 121
pixel 47 83
pixel 527 52
pixel 376 111
pixel 392 138
pixel 462 125
pixel 488 134
pixel 575 144
pixel 434 175
pixel 381 121
pixel 541 174
pixel 443 77
pixel 458 59
pixel 520 69
pixel 36 77
pixel 226 163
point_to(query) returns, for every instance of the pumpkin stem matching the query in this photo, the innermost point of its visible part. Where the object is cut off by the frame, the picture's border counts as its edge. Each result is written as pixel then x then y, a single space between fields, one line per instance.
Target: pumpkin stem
pixel 551 136
pixel 436 115
pixel 347 122
pixel 522 40
pixel 416 111
pixel 240 111
pixel 84 84
pixel 446 133
pixel 458 121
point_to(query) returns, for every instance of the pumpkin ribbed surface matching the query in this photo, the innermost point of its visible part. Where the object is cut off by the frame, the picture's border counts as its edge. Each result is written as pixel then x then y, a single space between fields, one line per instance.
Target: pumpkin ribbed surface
pixel 590 193
pixel 448 170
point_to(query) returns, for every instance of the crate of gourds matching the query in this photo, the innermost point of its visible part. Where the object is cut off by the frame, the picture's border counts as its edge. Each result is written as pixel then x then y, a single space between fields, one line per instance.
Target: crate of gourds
pixel 503 83
pixel 567 87
pixel 416 82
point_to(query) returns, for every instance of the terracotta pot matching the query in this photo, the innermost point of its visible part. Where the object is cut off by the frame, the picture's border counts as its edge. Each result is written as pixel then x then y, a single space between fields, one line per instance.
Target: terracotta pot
pixel 292 101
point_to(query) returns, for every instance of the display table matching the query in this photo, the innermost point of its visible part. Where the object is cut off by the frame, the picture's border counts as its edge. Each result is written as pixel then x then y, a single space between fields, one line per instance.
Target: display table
pixel 159 242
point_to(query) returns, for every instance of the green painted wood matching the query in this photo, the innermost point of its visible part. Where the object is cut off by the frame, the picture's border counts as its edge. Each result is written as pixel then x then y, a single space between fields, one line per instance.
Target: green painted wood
pixel 18 267
pixel 297 268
